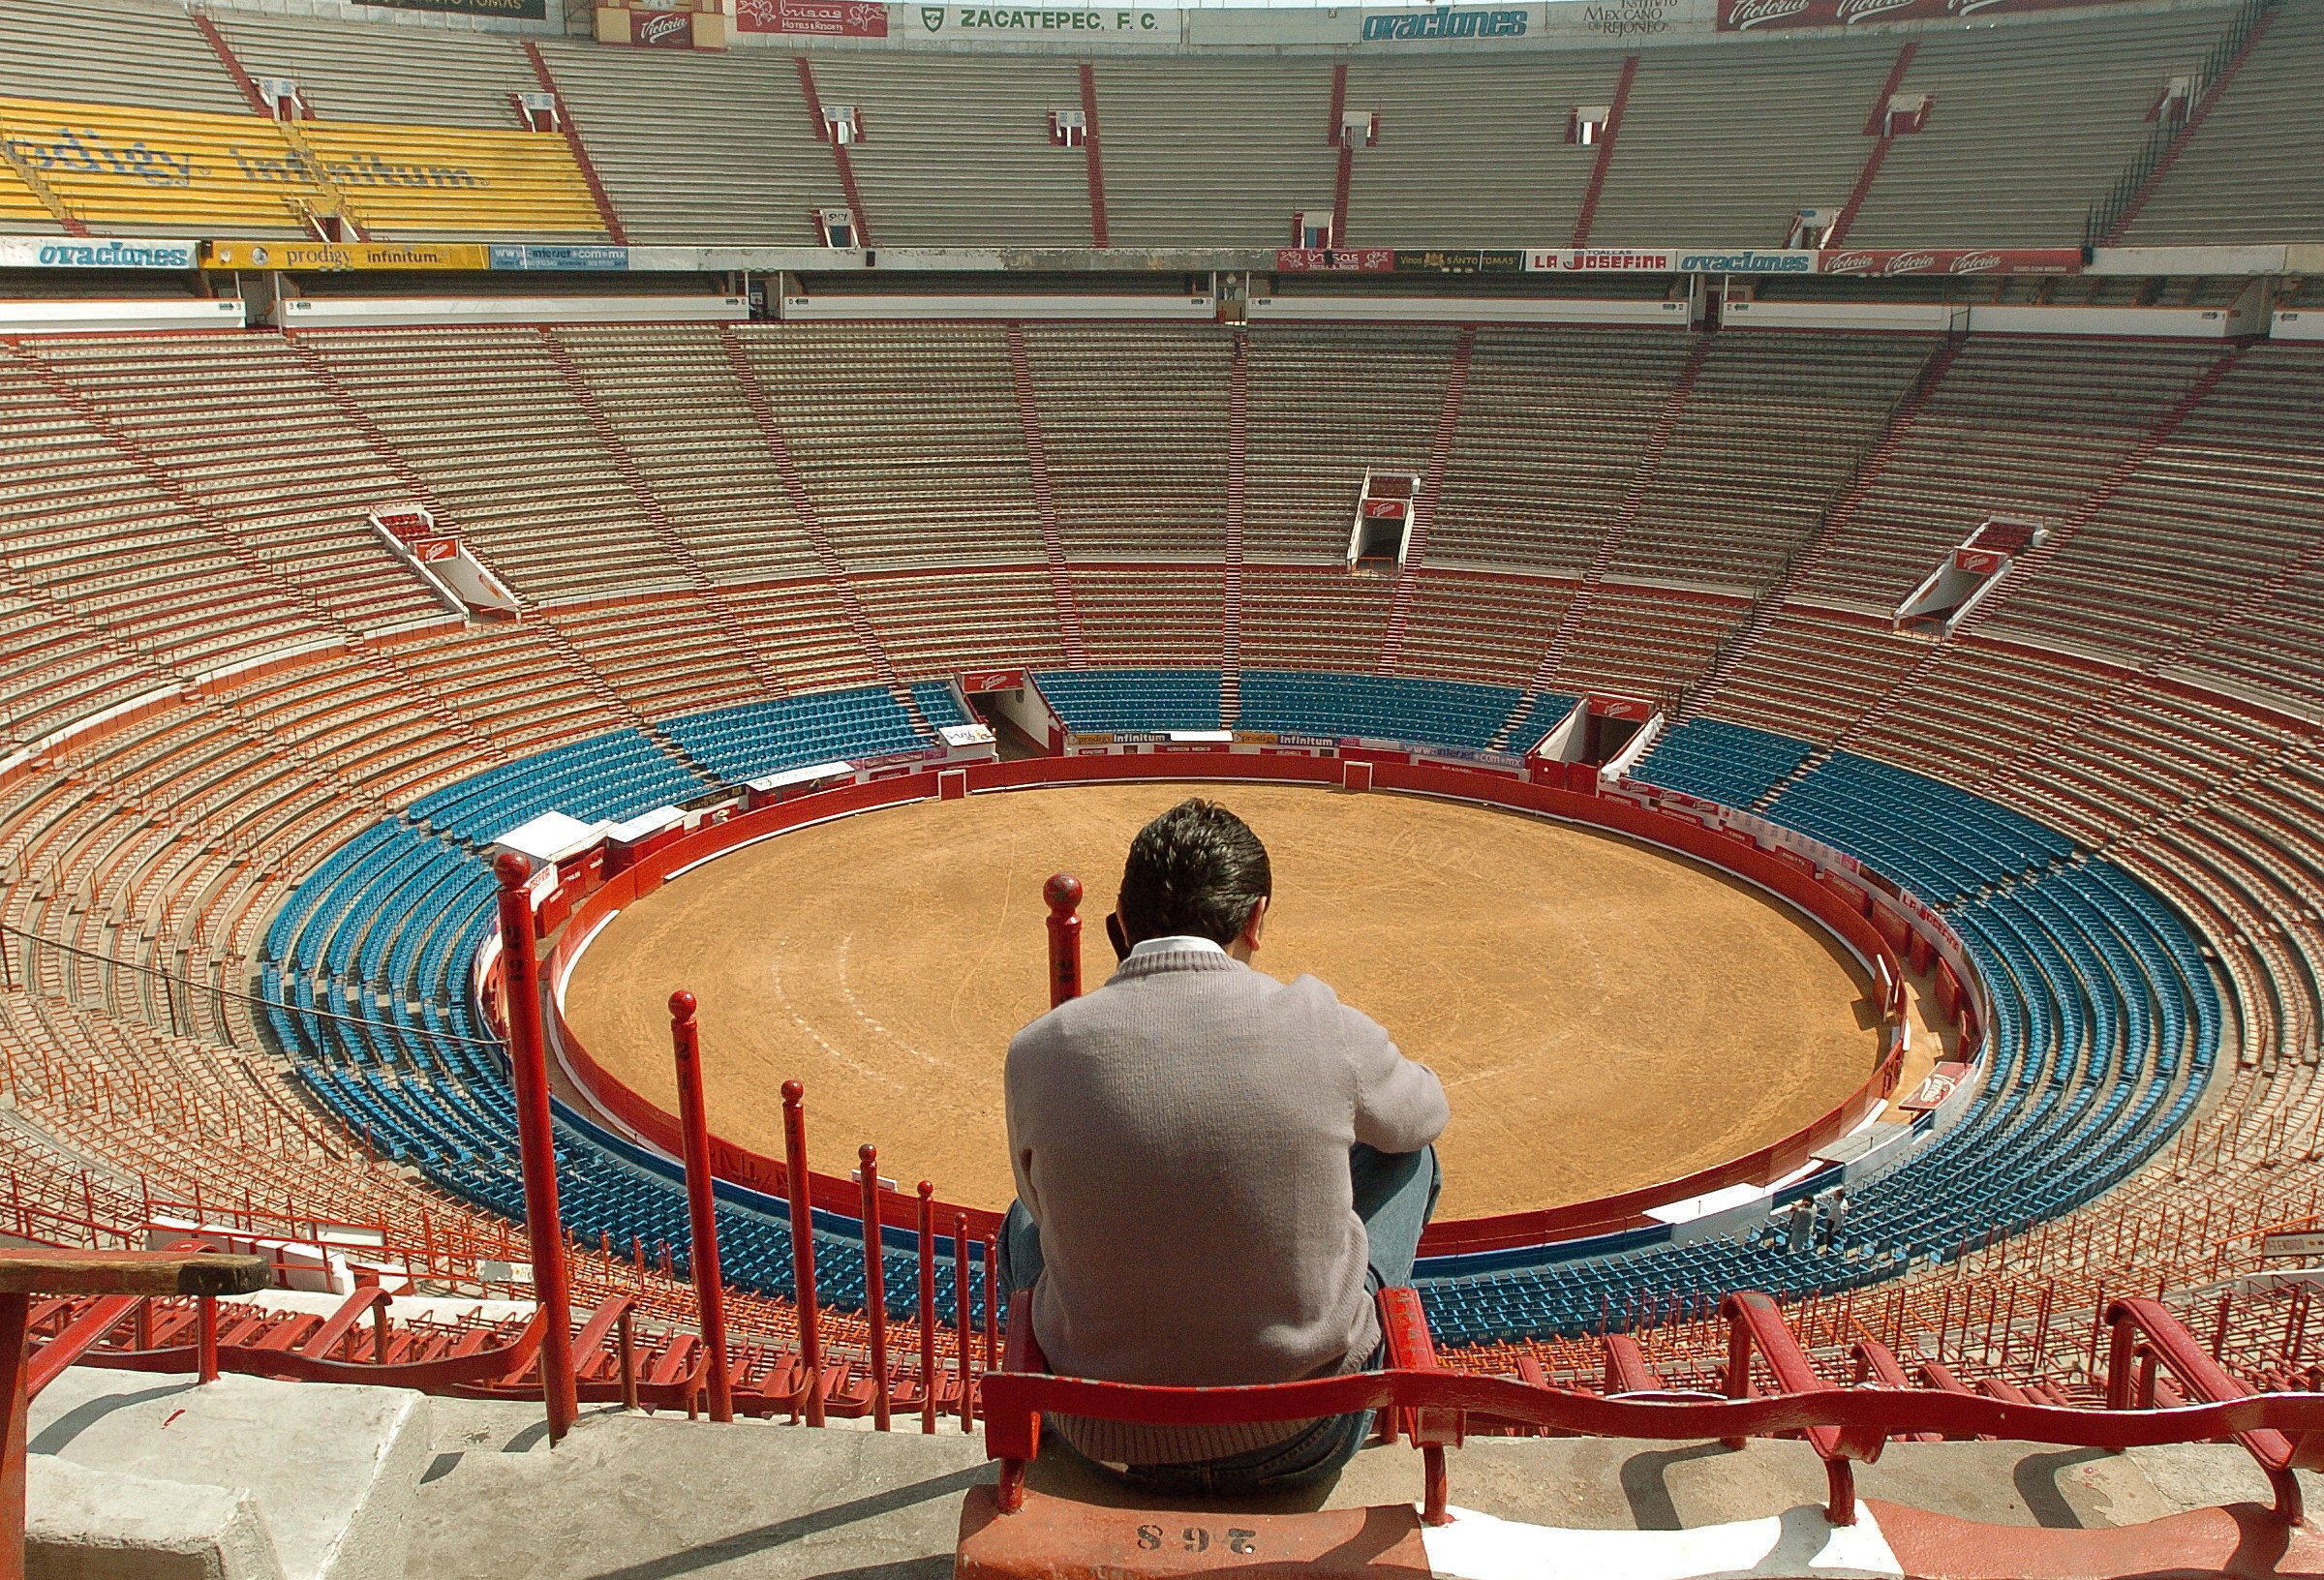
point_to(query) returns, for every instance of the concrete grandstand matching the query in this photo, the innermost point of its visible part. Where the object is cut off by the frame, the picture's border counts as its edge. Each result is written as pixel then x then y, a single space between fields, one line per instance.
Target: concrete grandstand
pixel 1873 455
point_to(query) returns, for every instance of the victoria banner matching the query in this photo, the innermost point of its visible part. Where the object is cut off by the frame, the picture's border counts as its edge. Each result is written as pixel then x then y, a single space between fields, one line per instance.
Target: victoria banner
pixel 1753 16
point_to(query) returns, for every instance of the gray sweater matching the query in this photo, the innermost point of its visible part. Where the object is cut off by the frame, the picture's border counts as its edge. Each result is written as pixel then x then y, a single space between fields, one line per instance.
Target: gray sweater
pixel 1181 1135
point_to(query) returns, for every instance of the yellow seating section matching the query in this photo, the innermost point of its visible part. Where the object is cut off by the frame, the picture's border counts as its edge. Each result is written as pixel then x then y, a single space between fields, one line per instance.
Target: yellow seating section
pixel 230 174
pixel 19 202
pixel 401 179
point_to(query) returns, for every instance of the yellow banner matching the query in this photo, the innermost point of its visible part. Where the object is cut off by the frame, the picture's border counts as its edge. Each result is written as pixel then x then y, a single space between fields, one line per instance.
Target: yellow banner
pixel 344 254
pixel 109 164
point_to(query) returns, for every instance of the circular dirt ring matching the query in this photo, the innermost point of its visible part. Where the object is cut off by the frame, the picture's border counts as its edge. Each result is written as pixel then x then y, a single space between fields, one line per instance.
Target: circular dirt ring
pixel 1604 1016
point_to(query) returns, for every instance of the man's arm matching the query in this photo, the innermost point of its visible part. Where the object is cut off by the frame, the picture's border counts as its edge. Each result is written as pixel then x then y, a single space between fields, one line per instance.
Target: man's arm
pixel 1400 1104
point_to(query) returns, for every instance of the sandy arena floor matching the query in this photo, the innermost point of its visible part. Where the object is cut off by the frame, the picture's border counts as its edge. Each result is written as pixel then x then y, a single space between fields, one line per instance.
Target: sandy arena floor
pixel 1604 1016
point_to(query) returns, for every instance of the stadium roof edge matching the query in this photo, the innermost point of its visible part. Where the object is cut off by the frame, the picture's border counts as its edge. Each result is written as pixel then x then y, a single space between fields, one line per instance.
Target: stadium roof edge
pixel 176 255
pixel 1383 31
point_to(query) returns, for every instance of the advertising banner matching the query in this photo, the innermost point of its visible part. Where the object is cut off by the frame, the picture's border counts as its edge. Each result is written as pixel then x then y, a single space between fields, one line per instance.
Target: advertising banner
pixel 821 18
pixel 1746 16
pixel 1506 260
pixel 1875 263
pixel 63 253
pixel 1457 22
pixel 662 29
pixel 342 255
pixel 557 255
pixel 1334 260
pixel 1602 259
pixel 1019 23
pixel 1951 261
pixel 531 11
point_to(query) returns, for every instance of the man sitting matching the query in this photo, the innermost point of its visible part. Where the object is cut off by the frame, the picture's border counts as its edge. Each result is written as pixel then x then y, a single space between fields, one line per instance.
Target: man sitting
pixel 1215 1171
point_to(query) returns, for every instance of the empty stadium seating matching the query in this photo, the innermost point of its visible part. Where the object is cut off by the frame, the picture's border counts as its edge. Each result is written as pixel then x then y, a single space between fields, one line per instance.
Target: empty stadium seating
pixel 319 727
pixel 2033 128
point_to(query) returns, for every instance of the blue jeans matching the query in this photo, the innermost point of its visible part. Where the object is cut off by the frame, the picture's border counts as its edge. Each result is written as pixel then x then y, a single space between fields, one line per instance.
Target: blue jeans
pixel 1395 1196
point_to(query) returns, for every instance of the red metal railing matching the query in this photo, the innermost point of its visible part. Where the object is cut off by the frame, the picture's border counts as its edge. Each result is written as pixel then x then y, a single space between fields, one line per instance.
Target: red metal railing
pixel 1843 1425
pixel 122 1280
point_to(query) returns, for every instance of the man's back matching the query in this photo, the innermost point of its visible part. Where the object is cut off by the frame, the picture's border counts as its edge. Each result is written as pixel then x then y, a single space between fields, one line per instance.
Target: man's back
pixel 1181 1135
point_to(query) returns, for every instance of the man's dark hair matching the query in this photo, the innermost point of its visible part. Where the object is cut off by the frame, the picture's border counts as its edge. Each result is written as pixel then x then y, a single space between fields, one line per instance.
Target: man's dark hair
pixel 1195 870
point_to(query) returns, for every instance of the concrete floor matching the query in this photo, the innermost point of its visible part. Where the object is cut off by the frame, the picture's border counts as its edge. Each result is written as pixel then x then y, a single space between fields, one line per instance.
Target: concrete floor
pixel 636 1497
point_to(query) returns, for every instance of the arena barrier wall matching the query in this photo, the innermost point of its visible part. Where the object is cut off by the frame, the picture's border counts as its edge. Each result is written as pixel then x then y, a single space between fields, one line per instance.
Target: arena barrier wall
pixel 1840 909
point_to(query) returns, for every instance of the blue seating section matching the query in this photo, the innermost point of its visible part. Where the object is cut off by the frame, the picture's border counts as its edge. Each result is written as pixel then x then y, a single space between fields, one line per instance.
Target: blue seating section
pixel 1721 762
pixel 1382 707
pixel 939 704
pixel 760 738
pixel 587 779
pixel 1096 701
pixel 1939 841
pixel 2106 1027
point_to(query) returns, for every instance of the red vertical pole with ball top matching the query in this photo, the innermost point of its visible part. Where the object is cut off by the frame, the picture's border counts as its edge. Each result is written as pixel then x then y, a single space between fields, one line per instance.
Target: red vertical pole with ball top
pixel 701 1207
pixel 529 1074
pixel 963 1317
pixel 802 1246
pixel 928 1307
pixel 876 1284
pixel 1063 891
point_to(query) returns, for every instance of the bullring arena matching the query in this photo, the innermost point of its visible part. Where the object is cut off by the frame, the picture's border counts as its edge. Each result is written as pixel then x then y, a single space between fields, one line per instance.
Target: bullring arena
pixel 570 573
pixel 1603 1017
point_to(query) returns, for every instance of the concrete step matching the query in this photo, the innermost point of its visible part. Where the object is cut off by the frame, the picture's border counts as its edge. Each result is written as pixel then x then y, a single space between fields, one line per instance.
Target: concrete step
pixel 635 1496
pixel 150 1474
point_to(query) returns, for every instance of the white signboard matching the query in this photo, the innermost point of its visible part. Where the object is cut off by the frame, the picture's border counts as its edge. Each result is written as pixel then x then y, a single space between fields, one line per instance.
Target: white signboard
pixel 1017 24
pixel 89 253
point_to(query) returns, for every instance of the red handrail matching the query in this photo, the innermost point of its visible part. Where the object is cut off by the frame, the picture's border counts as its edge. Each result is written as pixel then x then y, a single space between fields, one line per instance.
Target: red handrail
pixel 1843 1424
pixel 2146 1334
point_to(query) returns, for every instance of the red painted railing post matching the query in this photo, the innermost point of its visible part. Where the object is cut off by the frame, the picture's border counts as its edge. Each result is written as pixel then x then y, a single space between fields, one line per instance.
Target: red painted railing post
pixel 529 1074
pixel 1063 891
pixel 802 1246
pixel 928 1307
pixel 701 1206
pixel 992 1300
pixel 206 1338
pixel 16 1396
pixel 963 1317
pixel 876 1284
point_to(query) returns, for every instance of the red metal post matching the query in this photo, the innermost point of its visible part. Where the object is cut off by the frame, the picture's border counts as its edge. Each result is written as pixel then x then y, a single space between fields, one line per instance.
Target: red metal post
pixel 1063 891
pixel 16 1398
pixel 802 1246
pixel 928 1307
pixel 701 1207
pixel 992 1300
pixel 963 1316
pixel 876 1284
pixel 206 1338
pixel 528 1070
